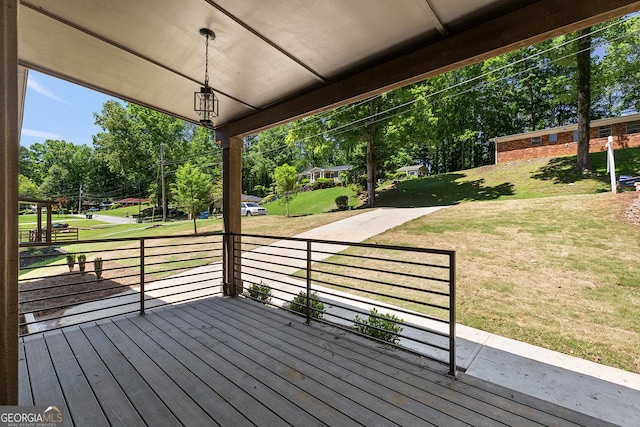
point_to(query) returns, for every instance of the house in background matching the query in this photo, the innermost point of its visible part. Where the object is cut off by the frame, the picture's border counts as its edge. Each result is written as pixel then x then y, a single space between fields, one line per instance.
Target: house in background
pixel 132 201
pixel 332 172
pixel 415 170
pixel 563 140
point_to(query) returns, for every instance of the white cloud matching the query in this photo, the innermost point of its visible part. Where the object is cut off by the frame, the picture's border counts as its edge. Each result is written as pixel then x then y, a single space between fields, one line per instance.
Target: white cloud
pixel 34 85
pixel 41 134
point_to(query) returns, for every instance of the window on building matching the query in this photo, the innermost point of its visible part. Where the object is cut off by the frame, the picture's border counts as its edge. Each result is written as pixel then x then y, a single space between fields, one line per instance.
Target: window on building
pixel 633 127
pixel 553 138
pixel 575 136
pixel 536 140
pixel 604 131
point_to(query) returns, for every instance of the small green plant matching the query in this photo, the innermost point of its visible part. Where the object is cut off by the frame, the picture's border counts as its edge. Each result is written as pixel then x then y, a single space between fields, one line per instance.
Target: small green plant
pixel 259 292
pixel 71 261
pixel 385 327
pixel 299 305
pixel 97 266
pixel 82 261
pixel 342 202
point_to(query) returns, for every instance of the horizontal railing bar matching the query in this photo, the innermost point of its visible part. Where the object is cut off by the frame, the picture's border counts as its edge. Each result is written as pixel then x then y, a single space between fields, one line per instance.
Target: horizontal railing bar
pixel 373 258
pixel 413 276
pixel 356 244
pixel 59 307
pixel 151 264
pixel 182 284
pixel 384 295
pixel 89 291
pixel 257 251
pixel 67 284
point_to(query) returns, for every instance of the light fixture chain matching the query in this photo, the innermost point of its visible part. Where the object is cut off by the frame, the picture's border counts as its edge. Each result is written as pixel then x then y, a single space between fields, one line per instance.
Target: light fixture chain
pixel 206 61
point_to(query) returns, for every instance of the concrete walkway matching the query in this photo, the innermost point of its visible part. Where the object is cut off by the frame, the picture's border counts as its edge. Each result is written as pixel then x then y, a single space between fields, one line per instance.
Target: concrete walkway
pixel 606 393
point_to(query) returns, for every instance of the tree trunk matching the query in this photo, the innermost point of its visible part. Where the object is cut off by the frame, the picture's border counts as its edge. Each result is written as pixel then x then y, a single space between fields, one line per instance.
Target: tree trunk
pixel 584 99
pixel 371 173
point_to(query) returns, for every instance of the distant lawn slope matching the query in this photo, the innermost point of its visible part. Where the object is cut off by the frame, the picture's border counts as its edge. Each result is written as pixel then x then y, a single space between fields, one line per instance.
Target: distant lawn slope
pixel 518 180
pixel 312 202
pixel 557 272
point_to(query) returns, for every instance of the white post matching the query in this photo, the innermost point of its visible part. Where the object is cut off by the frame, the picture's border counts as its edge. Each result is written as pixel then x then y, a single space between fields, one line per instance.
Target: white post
pixel 611 164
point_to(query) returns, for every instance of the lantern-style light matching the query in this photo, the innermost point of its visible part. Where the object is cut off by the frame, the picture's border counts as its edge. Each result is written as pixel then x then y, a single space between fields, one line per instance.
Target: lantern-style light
pixel 205 102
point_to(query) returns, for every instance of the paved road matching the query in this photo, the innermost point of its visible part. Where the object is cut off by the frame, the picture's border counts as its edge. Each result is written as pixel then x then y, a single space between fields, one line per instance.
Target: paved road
pixel 108 218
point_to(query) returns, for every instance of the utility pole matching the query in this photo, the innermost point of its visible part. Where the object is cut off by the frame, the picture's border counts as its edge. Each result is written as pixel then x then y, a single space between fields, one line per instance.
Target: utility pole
pixel 80 200
pixel 164 200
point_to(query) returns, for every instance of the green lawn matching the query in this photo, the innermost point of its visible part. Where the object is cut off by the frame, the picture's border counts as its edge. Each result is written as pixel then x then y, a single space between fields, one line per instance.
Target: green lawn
pixel 313 202
pixel 558 272
pixel 518 180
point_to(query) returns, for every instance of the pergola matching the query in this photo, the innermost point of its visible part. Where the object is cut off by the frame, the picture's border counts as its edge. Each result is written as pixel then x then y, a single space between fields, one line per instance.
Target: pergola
pixel 272 61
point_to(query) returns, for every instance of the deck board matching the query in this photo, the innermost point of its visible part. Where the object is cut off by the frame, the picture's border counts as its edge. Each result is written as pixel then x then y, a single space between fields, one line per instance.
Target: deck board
pixel 234 362
pixel 74 385
pixel 115 404
pixel 358 391
pixel 24 386
pixel 144 398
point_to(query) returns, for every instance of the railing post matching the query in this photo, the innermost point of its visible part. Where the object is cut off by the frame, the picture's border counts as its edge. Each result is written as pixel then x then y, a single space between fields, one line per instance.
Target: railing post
pixel 308 282
pixel 452 314
pixel 141 276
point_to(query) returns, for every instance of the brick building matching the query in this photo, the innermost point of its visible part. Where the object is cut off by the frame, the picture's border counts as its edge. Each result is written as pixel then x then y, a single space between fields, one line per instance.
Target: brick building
pixel 562 141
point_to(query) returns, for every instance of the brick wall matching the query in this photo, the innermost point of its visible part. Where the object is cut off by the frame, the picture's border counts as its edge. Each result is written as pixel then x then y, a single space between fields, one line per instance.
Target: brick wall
pixel 519 149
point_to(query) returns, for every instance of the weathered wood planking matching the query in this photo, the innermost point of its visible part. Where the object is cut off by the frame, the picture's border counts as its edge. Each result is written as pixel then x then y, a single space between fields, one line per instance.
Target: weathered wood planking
pixel 233 362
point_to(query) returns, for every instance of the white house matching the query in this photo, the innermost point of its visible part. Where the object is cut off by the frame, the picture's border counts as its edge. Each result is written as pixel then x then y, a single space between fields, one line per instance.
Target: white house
pixel 415 170
pixel 332 172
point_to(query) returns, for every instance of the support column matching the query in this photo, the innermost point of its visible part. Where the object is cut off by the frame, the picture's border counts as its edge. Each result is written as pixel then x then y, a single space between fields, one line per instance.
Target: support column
pixel 231 198
pixel 9 140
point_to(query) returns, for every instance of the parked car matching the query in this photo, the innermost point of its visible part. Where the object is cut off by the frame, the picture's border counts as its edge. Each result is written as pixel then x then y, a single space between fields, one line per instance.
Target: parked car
pixel 251 208
pixel 94 209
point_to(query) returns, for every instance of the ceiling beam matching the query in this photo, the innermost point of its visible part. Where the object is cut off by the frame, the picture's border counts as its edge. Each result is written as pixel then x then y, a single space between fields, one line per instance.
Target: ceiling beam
pixel 532 24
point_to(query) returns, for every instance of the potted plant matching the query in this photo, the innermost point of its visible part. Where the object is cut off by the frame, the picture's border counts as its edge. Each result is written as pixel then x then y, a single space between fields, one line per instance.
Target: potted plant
pixel 82 261
pixel 97 266
pixel 71 261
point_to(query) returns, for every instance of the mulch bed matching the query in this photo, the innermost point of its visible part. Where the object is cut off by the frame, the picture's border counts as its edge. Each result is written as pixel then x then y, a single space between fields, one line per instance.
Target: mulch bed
pixel 49 297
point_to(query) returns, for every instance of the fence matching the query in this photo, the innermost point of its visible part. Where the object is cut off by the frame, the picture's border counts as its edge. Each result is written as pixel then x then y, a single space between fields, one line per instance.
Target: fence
pixel 133 275
pixel 400 296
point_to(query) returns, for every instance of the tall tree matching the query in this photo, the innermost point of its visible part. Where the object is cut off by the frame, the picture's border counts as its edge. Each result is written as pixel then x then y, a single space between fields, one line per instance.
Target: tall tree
pixel 583 59
pixel 192 190
pixel 286 178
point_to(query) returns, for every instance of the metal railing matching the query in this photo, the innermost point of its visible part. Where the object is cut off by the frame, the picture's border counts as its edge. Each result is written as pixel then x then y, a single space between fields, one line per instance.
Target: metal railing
pixel 135 274
pixel 399 296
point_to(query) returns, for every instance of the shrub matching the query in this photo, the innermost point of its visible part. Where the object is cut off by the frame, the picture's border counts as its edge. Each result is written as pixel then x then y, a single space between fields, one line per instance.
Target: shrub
pixel 71 261
pixel 322 183
pixel 115 206
pixel 342 202
pixel 299 304
pixel 304 181
pixel 384 327
pixel 259 292
pixel 97 266
pixel 82 261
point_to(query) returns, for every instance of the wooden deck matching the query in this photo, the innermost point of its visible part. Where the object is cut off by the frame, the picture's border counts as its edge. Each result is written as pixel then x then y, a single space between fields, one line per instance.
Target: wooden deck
pixel 233 362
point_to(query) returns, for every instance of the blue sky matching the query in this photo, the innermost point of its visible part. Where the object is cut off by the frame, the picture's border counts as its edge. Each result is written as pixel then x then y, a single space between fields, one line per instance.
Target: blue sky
pixel 56 109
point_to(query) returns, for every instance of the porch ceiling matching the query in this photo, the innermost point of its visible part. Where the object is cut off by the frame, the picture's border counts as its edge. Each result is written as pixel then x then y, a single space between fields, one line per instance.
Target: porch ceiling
pixel 275 60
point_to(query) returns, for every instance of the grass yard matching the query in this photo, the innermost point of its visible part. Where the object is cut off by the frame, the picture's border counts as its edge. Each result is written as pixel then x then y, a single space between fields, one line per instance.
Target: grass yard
pixel 524 179
pixel 562 273
pixel 313 202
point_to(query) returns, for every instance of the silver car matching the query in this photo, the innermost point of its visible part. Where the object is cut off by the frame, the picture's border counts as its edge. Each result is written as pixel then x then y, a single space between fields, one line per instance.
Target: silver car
pixel 251 208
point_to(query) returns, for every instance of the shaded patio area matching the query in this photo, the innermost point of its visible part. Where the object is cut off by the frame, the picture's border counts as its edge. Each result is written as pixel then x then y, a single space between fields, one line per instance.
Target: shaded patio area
pixel 232 361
